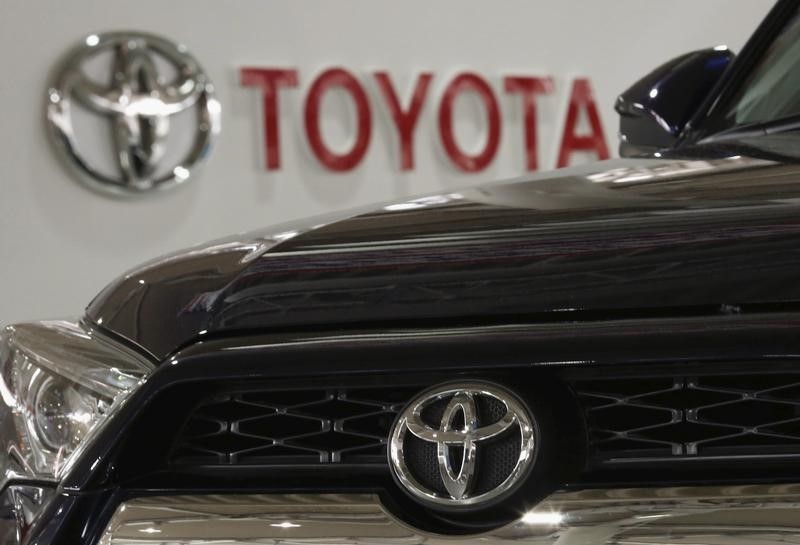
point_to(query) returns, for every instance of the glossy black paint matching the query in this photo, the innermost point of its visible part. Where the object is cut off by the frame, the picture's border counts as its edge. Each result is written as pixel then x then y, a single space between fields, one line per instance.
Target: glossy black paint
pixel 655 110
pixel 615 237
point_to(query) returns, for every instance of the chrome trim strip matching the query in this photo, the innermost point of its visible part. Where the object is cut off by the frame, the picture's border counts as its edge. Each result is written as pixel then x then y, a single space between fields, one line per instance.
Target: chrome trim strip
pixel 735 515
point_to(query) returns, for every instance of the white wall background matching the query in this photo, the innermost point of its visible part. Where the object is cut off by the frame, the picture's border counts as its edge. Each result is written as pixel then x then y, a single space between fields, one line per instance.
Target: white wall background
pixel 60 243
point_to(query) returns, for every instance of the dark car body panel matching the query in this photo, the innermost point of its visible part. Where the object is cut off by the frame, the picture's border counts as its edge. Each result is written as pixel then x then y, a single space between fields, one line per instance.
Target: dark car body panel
pixel 675 267
pixel 623 238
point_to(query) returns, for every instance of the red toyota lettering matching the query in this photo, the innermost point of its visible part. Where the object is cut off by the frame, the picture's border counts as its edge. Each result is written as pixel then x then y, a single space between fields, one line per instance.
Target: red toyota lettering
pixel 528 87
pixel 269 80
pixel 340 162
pixel 474 83
pixel 404 120
pixel 582 97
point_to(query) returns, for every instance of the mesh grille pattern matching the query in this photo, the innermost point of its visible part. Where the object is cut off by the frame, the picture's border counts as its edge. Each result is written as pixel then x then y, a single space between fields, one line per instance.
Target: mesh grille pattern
pixel 628 418
pixel 291 427
pixel 730 415
pixel 421 459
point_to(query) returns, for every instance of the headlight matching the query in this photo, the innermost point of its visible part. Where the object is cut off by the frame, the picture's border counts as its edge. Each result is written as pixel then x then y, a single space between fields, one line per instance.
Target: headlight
pixel 59 381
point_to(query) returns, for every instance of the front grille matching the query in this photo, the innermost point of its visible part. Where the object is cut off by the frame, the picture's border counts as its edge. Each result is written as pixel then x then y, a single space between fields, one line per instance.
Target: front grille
pixel 692 417
pixel 291 427
pixel 631 419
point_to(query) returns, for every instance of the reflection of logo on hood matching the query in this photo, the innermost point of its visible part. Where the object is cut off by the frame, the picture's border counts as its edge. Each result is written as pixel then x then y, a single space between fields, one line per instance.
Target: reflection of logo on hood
pixel 150 88
pixel 452 428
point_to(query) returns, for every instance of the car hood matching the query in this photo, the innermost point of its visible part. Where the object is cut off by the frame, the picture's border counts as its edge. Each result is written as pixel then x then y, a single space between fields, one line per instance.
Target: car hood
pixel 619 238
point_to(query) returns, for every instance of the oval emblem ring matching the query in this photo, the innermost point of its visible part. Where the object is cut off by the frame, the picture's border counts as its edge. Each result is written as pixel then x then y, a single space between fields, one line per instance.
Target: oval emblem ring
pixel 463 445
pixel 131 113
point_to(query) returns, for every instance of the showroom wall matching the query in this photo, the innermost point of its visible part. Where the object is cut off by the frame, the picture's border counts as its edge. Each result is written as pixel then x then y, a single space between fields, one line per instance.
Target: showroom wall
pixel 61 242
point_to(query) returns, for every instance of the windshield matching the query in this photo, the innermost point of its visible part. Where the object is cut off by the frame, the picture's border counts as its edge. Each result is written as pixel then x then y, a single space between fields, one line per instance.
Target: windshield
pixel 772 91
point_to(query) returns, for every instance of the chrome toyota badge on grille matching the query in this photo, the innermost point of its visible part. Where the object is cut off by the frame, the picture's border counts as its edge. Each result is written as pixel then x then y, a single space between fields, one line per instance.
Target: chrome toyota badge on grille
pixel 153 96
pixel 460 445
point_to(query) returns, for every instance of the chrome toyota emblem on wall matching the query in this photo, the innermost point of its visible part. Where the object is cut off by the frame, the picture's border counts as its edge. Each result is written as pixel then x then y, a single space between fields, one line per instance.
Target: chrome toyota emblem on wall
pixel 461 445
pixel 156 106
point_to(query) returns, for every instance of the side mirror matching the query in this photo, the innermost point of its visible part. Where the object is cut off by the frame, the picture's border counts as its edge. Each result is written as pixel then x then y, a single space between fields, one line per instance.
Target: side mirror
pixel 655 109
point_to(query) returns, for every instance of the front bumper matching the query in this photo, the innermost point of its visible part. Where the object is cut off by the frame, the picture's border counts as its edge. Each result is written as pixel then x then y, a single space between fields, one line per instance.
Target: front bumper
pixel 751 515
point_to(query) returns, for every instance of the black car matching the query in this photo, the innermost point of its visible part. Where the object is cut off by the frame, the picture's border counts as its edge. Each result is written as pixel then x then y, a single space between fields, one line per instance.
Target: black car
pixel 602 354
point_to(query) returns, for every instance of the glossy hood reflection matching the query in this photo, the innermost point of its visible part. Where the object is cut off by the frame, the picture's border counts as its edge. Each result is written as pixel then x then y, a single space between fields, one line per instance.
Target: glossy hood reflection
pixel 613 237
